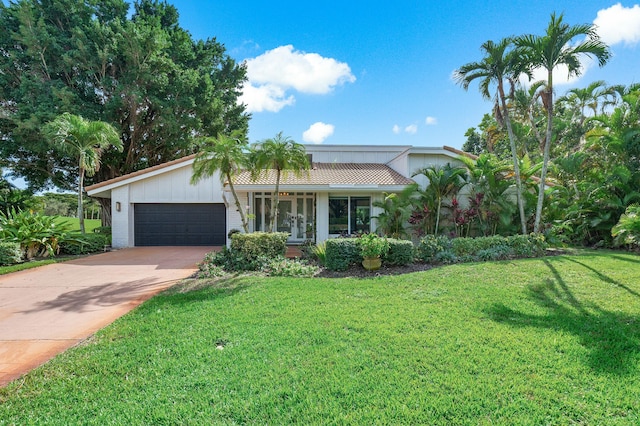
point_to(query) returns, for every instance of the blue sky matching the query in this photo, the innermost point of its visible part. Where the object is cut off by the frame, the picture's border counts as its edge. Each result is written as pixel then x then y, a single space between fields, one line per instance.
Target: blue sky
pixel 379 72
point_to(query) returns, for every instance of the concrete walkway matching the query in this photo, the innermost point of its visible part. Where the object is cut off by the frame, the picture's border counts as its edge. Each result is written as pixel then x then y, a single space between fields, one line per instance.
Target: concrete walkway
pixel 46 310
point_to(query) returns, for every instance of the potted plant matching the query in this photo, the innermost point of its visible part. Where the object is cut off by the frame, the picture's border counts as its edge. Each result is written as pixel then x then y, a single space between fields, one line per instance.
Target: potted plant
pixel 372 248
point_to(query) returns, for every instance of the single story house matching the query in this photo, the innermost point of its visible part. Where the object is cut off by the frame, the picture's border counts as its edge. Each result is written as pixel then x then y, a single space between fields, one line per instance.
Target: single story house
pixel 159 205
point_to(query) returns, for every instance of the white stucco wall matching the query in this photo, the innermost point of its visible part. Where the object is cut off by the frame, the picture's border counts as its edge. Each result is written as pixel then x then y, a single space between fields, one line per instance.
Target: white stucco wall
pixel 175 187
pixel 419 161
pixel 121 232
pixel 353 154
pixel 234 221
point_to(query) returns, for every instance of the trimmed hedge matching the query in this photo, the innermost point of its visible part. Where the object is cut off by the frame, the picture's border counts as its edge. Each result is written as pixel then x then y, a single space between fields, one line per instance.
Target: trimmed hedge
pixel 342 253
pixel 258 244
pixel 10 253
pixel 76 244
pixel 401 252
pixel 442 249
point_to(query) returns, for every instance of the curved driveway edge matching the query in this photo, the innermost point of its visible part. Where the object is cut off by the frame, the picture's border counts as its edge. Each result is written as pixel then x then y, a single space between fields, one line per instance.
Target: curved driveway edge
pixel 46 310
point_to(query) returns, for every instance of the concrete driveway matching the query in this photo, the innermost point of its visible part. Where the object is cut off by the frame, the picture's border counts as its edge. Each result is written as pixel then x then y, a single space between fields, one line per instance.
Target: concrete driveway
pixel 46 310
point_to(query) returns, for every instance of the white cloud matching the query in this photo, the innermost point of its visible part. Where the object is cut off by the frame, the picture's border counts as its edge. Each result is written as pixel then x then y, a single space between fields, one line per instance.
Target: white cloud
pixel 277 71
pixel 265 98
pixel 411 129
pixel 318 132
pixel 619 24
pixel 431 121
pixel 396 129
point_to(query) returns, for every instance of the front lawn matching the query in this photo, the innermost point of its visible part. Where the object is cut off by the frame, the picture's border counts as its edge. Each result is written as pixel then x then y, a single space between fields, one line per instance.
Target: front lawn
pixel 74 224
pixel 538 341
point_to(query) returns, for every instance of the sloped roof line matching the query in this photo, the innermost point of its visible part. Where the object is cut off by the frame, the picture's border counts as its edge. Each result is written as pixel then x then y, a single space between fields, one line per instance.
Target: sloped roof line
pixel 140 172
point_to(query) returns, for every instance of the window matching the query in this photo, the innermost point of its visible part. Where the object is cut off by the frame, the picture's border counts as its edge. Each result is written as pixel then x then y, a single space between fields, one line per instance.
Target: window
pixel 349 215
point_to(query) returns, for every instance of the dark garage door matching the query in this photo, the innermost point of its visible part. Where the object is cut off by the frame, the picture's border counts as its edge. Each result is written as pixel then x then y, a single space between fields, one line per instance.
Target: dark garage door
pixel 180 224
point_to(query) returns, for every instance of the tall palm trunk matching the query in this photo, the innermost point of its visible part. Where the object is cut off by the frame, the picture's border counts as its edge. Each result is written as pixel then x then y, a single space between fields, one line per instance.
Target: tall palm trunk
pixel 274 208
pixel 514 156
pixel 438 215
pixel 243 218
pixel 80 189
pixel 545 157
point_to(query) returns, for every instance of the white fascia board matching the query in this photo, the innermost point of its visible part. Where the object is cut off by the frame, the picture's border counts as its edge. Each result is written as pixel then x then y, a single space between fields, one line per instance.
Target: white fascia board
pixel 320 188
pixel 142 176
pixel 363 148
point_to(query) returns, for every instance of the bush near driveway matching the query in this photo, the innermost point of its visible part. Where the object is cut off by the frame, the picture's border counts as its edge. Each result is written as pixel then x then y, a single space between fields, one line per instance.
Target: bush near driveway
pixel 10 253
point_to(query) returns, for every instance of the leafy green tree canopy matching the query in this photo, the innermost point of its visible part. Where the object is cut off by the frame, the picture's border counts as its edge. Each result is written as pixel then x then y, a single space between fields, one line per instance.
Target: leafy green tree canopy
pixel 142 73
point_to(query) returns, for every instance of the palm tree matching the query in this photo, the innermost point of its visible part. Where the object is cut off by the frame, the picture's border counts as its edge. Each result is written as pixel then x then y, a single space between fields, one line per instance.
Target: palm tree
pixel 283 155
pixel 549 51
pixel 227 155
pixel 85 140
pixel 499 64
pixel 443 182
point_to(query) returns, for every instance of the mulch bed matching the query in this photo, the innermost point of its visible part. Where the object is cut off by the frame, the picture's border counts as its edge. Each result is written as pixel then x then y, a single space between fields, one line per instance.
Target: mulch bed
pixel 357 271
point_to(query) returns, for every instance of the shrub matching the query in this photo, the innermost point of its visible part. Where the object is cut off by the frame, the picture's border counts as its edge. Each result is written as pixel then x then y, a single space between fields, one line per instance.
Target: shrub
pixel 431 245
pixel 401 252
pixel 446 257
pixel 341 253
pixel 532 245
pixel 10 253
pixel 627 230
pixel 77 243
pixel 38 235
pixel 209 270
pixel 481 248
pixel 106 230
pixel 372 246
pixel 320 252
pixel 260 244
pixel 307 250
pixel 498 252
pixel 232 260
pixel 281 267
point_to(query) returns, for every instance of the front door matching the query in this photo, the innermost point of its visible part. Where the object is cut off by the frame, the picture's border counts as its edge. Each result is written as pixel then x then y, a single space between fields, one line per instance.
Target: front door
pixel 295 214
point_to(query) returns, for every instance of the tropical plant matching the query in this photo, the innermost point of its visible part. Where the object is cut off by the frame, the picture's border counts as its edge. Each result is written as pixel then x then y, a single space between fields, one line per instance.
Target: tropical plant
pixel 282 155
pixel 499 64
pixel 227 155
pixel 627 230
pixel 548 52
pixel 84 140
pixel 373 246
pixel 490 206
pixel 38 235
pixel 444 181
pixel 396 210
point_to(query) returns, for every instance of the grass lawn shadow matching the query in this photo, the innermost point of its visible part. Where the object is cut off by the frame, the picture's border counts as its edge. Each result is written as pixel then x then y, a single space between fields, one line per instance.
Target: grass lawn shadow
pixel 194 290
pixel 611 338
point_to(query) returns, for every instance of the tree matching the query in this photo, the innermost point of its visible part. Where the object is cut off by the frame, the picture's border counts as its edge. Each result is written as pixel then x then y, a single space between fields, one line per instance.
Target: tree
pixel 499 64
pixel 141 71
pixel 444 181
pixel 85 141
pixel 283 155
pixel 549 51
pixel 227 155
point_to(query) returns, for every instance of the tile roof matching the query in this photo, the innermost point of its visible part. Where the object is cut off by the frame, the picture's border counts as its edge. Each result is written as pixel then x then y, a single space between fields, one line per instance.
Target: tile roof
pixel 332 174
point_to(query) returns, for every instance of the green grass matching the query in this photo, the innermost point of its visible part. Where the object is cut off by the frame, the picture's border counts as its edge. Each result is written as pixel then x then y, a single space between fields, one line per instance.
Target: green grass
pixel 31 264
pixel 74 223
pixel 527 342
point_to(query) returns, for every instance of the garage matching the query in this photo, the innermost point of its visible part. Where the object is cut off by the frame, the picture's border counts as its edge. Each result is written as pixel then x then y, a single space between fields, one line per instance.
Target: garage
pixel 179 224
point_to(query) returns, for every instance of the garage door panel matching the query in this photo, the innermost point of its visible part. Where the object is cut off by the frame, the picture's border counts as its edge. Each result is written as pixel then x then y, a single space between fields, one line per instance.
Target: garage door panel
pixel 179 224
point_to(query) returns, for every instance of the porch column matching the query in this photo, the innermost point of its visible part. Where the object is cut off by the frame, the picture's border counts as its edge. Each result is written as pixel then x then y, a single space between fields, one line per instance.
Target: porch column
pixel 322 216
